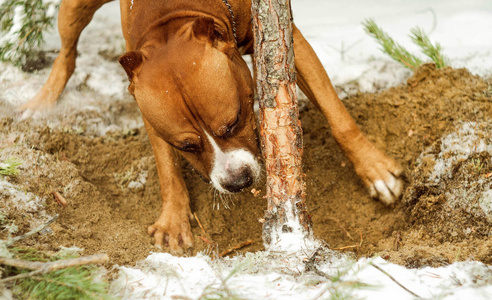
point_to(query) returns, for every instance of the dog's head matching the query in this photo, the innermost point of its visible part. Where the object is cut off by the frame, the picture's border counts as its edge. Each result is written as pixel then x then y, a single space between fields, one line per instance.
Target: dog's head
pixel 196 91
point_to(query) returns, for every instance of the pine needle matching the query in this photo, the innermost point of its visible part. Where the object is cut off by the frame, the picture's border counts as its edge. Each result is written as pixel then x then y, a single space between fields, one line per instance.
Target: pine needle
pixel 70 283
pixel 389 46
pixel 78 282
pixel 22 24
pixel 419 37
pixel 10 167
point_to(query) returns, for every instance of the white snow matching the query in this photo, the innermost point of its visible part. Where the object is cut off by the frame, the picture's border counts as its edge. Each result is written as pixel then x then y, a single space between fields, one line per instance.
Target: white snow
pixel 334 30
pixel 139 182
pixel 470 138
pixel 15 200
pixel 268 275
pixel 296 239
pixel 353 60
pixel 51 4
pixel 14 33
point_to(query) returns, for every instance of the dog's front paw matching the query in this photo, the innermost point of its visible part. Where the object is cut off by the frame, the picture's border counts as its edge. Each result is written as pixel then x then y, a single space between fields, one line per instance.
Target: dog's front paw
pixel 382 175
pixel 173 228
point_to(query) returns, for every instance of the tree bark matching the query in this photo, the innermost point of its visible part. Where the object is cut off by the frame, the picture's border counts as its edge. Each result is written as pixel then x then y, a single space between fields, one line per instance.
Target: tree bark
pixel 280 128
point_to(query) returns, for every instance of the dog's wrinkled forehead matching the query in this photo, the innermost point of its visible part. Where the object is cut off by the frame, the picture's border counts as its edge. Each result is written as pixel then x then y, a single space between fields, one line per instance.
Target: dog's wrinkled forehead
pixel 202 88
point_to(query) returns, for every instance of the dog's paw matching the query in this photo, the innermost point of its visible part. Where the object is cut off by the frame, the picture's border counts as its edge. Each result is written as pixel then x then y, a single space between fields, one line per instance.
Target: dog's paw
pixel 43 102
pixel 382 175
pixel 29 114
pixel 173 228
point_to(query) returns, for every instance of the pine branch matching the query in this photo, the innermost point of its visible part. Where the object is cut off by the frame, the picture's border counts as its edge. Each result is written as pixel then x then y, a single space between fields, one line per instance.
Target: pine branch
pixel 389 46
pixel 419 37
pixel 22 24
pixel 34 231
pixel 57 278
pixel 395 281
pixel 70 283
pixel 91 295
pixel 47 267
pixel 38 275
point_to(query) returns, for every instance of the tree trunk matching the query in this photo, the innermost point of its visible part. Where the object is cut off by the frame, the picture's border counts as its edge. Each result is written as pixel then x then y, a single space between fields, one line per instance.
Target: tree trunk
pixel 280 128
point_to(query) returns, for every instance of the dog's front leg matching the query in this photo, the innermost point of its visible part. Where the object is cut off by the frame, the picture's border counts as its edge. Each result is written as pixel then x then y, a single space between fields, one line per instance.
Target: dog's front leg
pixel 173 224
pixel 381 174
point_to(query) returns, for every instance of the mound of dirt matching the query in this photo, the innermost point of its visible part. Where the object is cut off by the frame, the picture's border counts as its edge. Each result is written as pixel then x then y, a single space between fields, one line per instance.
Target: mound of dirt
pixel 112 188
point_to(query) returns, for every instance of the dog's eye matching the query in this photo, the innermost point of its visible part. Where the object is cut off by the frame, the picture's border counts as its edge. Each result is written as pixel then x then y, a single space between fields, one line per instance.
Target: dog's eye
pixel 188 147
pixel 219 34
pixel 230 128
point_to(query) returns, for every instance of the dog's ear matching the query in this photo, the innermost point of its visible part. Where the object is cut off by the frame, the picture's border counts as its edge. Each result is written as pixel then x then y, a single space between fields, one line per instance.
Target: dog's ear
pixel 130 61
pixel 203 27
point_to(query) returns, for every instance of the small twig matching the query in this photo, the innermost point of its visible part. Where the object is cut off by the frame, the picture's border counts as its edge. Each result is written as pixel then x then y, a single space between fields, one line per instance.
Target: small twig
pixel 21 41
pixel 34 231
pixel 345 247
pixel 20 276
pixel 397 241
pixel 200 224
pixel 395 281
pixel 342 284
pixel 310 264
pixel 229 250
pixel 341 227
pixel 59 198
pixel 447 204
pixel 207 240
pixel 36 167
pixel 46 267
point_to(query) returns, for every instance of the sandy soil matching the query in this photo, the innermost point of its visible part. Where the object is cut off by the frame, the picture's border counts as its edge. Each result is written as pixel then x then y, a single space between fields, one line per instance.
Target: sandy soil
pixel 111 183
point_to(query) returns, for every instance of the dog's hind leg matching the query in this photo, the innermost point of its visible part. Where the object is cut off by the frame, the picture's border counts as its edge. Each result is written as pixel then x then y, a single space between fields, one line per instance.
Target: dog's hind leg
pixel 73 17
pixel 381 174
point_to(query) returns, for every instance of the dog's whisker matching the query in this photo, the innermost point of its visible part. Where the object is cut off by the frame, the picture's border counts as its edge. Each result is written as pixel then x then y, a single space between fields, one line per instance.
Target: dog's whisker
pixel 215 202
pixel 226 199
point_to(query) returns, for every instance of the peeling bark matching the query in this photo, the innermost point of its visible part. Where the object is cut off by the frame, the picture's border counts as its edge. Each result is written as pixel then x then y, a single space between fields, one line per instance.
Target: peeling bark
pixel 280 128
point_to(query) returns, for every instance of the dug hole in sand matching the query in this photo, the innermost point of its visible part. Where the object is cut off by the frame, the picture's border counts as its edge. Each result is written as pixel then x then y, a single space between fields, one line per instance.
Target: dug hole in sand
pixel 418 123
pixel 426 232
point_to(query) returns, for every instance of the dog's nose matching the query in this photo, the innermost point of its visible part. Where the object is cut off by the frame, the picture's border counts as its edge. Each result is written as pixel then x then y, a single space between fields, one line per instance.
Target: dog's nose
pixel 236 181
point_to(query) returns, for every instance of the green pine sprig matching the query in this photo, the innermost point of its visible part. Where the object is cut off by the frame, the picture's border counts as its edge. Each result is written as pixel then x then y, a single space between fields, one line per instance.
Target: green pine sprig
pixel 419 37
pixel 402 55
pixel 22 24
pixel 393 49
pixel 70 283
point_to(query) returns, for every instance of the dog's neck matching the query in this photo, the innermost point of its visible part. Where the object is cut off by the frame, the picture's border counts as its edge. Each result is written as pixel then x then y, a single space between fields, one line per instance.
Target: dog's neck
pixel 164 18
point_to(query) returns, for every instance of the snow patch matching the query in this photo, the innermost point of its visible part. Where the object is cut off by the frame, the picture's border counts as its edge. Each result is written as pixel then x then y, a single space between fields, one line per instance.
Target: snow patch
pixel 19 200
pixel 139 183
pixel 485 203
pixel 269 275
pixel 470 138
pixel 456 150
pixel 296 239
pixel 16 201
pixel 13 35
pixel 52 7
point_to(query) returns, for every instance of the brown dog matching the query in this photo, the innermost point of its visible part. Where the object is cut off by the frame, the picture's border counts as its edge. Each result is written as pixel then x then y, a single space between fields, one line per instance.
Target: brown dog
pixel 195 92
